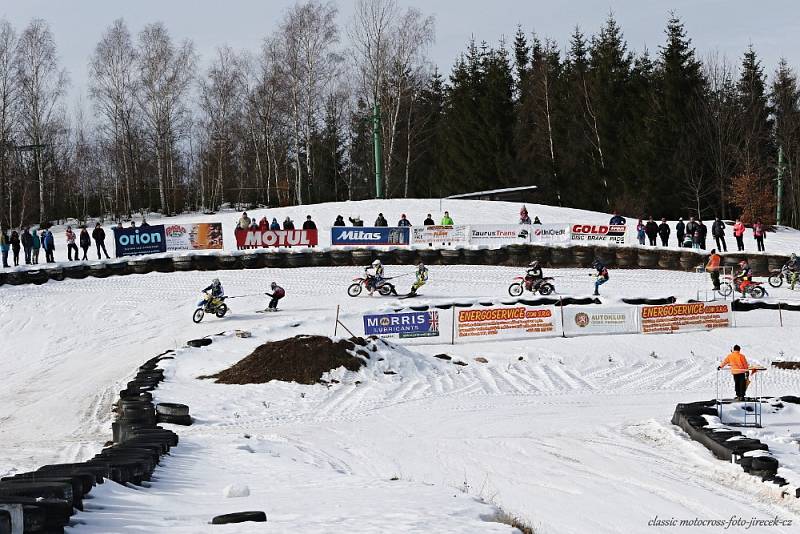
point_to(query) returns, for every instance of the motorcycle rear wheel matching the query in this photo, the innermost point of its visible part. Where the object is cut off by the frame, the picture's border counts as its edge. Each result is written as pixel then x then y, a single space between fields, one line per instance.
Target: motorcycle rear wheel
pixel 725 289
pixel 222 309
pixel 546 289
pixel 757 292
pixel 385 290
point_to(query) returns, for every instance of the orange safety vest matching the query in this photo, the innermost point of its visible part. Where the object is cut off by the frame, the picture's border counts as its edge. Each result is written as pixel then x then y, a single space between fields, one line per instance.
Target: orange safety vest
pixel 737 361
pixel 713 263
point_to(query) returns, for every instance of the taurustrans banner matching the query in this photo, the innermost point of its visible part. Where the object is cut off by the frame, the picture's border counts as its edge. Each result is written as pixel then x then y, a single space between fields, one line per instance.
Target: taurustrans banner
pixel 366 235
pixel 140 240
pixel 599 233
pixel 196 236
pixel 499 234
pixel 256 238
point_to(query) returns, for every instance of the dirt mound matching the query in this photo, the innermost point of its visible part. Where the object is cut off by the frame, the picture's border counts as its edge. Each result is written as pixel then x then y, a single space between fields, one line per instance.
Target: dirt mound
pixel 301 359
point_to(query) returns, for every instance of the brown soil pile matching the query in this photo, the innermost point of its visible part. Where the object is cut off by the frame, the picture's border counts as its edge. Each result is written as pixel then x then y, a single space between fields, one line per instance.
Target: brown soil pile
pixel 301 359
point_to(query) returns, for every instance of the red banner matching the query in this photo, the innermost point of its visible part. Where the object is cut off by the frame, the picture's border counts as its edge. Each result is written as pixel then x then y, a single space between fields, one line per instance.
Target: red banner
pixel 275 238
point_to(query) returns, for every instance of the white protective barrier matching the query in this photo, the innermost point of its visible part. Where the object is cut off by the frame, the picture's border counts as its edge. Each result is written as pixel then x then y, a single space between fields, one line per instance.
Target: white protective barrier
pixel 499 234
pixel 441 236
pixel 600 320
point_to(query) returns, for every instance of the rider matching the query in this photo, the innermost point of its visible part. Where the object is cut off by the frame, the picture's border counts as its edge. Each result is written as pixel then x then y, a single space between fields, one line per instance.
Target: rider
pixel 792 269
pixel 421 278
pixel 277 294
pixel 602 275
pixel 214 292
pixel 744 276
pixel 373 281
pixel 534 275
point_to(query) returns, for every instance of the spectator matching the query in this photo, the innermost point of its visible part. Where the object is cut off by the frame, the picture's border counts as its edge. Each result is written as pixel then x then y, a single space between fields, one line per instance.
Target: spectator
pixel 758 232
pixel 687 240
pixel 253 225
pixel 86 242
pixel 49 245
pixel 263 224
pixel 663 232
pixel 680 231
pixel 99 236
pixel 428 221
pixel 640 233
pixel 70 235
pixel 288 224
pixel 712 268
pixel 651 229
pixel 718 232
pixel 403 221
pixel 703 233
pixel 697 237
pixel 356 221
pixel 5 245
pixel 381 220
pixel 691 226
pixel 536 220
pixel 738 233
pixel 133 223
pixel 27 241
pixel 275 225
pixel 14 240
pixel 309 224
pixel 447 220
pixel 144 222
pixel 617 219
pixel 244 221
pixel 119 225
pixel 339 221
pixel 36 244
pixel 524 218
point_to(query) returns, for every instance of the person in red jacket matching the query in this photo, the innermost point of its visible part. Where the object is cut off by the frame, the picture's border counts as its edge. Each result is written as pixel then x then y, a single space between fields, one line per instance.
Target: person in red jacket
pixel 738 233
pixel 277 294
pixel 759 234
pixel 740 370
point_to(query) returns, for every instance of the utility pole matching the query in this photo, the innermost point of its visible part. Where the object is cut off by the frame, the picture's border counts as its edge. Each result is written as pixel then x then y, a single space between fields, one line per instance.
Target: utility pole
pixel 376 141
pixel 780 186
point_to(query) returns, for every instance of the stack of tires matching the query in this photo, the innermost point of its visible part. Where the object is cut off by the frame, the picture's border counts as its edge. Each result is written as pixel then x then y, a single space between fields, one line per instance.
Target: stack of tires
pixel 495 256
pixel 300 258
pixel 430 256
pixel 561 257
pixel 759 265
pixel 583 256
pixel 363 256
pixel 99 270
pixel 539 253
pixel 405 256
pixel 690 260
pixel 321 258
pixel 517 255
pixel 139 266
pixel 669 259
pixel 207 262
pixel 184 262
pixel 37 277
pixel 451 256
pixel 275 259
pixel 627 257
pixel 77 271
pixel 648 258
pixel 229 261
pixel 341 257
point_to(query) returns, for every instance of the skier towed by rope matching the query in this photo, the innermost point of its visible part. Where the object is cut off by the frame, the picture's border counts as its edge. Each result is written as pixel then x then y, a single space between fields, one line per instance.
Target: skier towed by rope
pixel 421 278
pixel 277 294
pixel 601 276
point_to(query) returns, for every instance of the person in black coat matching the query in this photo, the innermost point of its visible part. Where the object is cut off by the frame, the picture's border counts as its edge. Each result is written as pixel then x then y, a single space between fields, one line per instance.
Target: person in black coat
pixel 308 224
pixel 27 244
pixel 381 220
pixel 356 221
pixel 429 221
pixel 339 221
pixel 680 231
pixel 718 232
pixel 99 236
pixel 663 232
pixel 15 246
pixel 651 229
pixel 703 229
pixel 85 242
pixel 691 227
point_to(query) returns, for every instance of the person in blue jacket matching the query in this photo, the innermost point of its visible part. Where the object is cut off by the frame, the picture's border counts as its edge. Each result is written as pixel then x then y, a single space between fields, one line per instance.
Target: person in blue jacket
pixel 275 225
pixel 601 277
pixel 36 244
pixel 49 246
pixel 5 246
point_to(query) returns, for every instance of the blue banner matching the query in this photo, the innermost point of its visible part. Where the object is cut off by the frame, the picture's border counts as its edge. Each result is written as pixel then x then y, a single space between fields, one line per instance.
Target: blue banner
pixel 140 240
pixel 410 324
pixel 360 235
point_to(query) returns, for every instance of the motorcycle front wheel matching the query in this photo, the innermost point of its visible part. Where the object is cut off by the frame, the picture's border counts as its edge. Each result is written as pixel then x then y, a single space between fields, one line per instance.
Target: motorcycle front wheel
pixel 725 289
pixel 222 309
pixel 515 289
pixel 354 290
pixel 776 280
pixel 198 315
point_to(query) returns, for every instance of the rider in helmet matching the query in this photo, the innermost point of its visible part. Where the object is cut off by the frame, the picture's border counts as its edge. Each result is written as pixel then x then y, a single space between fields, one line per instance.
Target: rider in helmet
pixel 214 291
pixel 534 275
pixel 743 277
pixel 373 281
pixel 602 275
pixel 421 278
pixel 277 294
pixel 792 268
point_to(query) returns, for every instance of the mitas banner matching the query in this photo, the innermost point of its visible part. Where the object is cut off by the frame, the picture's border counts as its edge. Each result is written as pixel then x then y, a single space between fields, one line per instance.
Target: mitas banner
pixel 256 238
pixel 599 233
pixel 198 236
pixel 366 235
pixel 685 317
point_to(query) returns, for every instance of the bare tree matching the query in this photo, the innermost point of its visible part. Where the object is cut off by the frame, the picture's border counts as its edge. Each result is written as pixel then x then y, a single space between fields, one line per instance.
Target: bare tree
pixel 8 96
pixel 41 84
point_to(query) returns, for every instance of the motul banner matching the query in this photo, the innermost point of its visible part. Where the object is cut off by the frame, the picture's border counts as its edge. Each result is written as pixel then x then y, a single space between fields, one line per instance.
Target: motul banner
pixel 599 233
pixel 685 317
pixel 256 238
pixel 550 233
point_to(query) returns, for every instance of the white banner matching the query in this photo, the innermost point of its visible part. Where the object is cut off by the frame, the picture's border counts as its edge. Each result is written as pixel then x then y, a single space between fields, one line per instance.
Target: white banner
pixel 499 234
pixel 550 233
pixel 598 233
pixel 588 320
pixel 439 235
pixel 516 321
pixel 685 317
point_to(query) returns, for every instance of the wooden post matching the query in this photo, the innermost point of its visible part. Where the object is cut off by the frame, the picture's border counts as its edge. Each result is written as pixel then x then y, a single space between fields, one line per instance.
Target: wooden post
pixel 336 324
pixel 780 314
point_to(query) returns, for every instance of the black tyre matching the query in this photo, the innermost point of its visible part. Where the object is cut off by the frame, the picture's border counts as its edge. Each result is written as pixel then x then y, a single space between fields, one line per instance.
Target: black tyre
pixel 515 289
pixel 386 290
pixel 354 290
pixel 757 292
pixel 546 289
pixel 171 408
pixel 5 522
pixel 725 289
pixel 776 280
pixel 203 342
pixel 765 463
pixel 239 517
pixel 198 314
pixel 185 420
pixel 222 309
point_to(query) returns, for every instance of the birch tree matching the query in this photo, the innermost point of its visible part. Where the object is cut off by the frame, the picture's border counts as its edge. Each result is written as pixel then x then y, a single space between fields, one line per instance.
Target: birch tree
pixel 8 96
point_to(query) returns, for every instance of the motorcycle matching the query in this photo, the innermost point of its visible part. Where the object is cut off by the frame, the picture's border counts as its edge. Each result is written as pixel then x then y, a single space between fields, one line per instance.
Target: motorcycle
pixel 521 283
pixel 209 304
pixel 777 277
pixel 753 289
pixel 363 282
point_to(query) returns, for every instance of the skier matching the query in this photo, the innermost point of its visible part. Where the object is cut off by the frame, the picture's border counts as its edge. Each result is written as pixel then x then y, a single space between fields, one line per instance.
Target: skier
pixel 739 369
pixel 792 270
pixel 601 277
pixel 421 278
pixel 374 279
pixel 712 268
pixel 663 232
pixel 743 277
pixel 277 294
pixel 534 275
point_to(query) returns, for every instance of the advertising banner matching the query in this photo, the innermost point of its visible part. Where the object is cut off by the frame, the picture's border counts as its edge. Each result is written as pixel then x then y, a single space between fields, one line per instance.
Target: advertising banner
pixel 420 326
pixel 140 240
pixel 274 238
pixel 439 235
pixel 199 236
pixel 499 234
pixel 507 322
pixel 360 235
pixel 685 317
pixel 599 233
pixel 588 320
pixel 550 233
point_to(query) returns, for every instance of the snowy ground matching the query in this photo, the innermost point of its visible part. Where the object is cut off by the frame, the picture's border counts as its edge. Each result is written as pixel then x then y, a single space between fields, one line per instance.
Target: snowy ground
pixel 783 241
pixel 567 438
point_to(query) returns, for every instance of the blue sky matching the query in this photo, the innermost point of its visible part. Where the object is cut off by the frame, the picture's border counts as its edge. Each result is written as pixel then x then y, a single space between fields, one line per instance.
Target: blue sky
pixel 726 26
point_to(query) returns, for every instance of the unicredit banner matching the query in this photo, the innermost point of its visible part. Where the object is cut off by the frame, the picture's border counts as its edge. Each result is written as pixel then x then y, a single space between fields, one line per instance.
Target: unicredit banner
pixel 256 238
pixel 366 235
pixel 141 240
pixel 598 233
pixel 550 233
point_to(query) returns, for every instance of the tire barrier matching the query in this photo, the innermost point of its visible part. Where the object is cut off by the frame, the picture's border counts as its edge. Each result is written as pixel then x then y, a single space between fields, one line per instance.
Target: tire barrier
pixel 341 257
pixel 78 272
pixel 726 444
pixel 405 256
pixel 321 259
pixel 239 517
pixel 650 301
pixel 100 270
pixel 540 254
pixel 36 277
pixel 690 260
pixel 229 262
pixel 627 258
pixel 430 256
pixel 206 262
pixel 743 306
pixel 648 258
pixel 275 259
pixel 451 256
pixel 607 255
pixel 669 260
pixel 561 257
pixel 518 255
pixel 202 342
pixel 583 256
pixel 184 263
pixel 139 266
pixel 298 259
pixel 363 256
pixel 774 263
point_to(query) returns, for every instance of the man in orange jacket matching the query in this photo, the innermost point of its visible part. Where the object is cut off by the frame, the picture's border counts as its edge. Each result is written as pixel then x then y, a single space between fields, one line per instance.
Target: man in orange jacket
pixel 712 267
pixel 739 370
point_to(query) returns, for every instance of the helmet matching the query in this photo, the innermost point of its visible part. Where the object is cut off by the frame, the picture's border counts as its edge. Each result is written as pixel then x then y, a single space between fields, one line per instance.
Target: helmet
pixel 743 263
pixel 376 263
pixel 595 262
pixel 421 266
pixel 215 282
pixel 793 256
pixel 273 285
pixel 534 264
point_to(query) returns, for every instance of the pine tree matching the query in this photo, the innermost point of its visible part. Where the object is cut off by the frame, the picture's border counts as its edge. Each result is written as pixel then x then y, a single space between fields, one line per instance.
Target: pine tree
pixel 754 113
pixel 785 99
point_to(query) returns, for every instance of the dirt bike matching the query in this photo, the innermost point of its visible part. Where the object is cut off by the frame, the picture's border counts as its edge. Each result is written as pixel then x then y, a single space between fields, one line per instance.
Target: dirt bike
pixel 521 283
pixel 777 277
pixel 209 304
pixel 363 282
pixel 753 289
